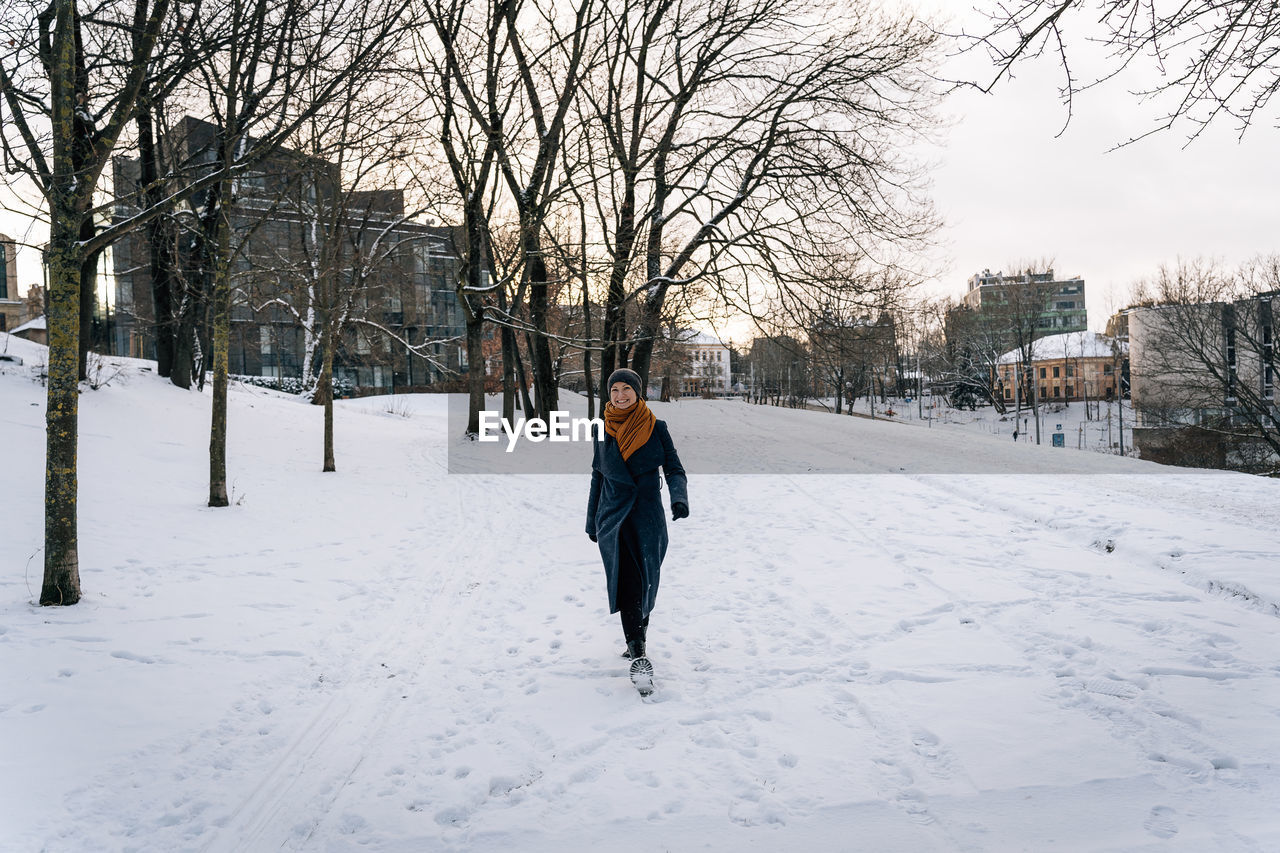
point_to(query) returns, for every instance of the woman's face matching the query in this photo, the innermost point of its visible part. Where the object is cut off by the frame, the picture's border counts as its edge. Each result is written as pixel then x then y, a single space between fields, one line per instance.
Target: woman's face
pixel 622 395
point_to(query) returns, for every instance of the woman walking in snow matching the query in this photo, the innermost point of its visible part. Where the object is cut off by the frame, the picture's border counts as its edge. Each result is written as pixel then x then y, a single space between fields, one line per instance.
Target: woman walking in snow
pixel 624 510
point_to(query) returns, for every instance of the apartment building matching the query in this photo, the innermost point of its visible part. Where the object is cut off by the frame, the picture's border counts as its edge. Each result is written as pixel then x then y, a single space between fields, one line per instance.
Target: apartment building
pixel 400 274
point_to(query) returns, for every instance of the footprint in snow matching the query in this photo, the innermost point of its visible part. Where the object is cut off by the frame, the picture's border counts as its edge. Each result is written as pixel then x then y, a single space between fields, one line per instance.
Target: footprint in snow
pixel 925 743
pixel 1160 822
pixel 455 816
pixel 1112 687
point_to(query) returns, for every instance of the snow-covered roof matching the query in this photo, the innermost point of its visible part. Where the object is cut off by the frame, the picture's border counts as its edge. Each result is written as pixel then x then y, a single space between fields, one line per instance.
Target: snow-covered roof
pixel 38 324
pixel 1068 345
pixel 689 336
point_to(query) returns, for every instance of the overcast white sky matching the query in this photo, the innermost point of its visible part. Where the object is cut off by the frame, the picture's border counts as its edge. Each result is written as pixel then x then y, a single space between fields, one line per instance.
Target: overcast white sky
pixel 1010 189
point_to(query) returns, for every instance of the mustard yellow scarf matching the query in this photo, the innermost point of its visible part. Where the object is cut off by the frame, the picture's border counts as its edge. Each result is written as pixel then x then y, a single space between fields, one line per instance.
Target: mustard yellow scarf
pixel 630 427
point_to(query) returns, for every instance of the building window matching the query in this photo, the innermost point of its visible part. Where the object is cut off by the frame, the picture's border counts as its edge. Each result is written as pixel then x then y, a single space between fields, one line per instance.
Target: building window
pixel 1043 373
pixel 264 339
pixel 1057 390
pixel 1068 390
pixel 1007 393
pixel 1071 371
pixel 1044 392
pixel 1056 372
pixel 1108 369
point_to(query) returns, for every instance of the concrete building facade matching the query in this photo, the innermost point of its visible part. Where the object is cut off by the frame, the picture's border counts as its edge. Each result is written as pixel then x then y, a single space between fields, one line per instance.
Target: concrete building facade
pixel 1060 302
pixel 708 368
pixel 12 309
pixel 406 298
pixel 1204 383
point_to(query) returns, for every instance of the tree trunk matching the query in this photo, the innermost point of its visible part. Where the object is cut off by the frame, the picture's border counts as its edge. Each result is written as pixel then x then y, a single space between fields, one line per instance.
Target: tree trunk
pixel 184 346
pixel 221 346
pixel 475 370
pixel 88 290
pixel 192 300
pixel 508 339
pixel 61 558
pixel 61 555
pixel 650 314
pixel 615 311
pixel 523 382
pixel 544 382
pixel 157 239
pixel 324 387
pixel 614 354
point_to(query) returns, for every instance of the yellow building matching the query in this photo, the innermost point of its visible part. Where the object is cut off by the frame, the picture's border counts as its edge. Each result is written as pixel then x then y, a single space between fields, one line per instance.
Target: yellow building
pixel 1064 368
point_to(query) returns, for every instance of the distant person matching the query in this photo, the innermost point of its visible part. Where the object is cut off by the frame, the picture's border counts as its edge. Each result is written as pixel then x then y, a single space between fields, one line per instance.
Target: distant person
pixel 624 510
pixel 1015 433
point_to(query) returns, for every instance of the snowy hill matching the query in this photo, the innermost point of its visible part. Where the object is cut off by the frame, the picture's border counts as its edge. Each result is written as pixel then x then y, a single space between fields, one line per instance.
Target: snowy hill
pixel 869 637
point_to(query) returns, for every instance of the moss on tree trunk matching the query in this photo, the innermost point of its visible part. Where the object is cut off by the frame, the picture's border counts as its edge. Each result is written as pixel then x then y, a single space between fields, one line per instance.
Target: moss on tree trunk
pixel 61 559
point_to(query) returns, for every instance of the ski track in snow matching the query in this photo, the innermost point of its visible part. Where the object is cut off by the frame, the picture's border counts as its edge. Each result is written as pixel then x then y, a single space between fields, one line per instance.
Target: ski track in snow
pixel 868 662
pixel 315 768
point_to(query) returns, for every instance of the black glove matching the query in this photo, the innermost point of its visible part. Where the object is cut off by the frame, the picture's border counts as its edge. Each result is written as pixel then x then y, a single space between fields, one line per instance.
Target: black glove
pixel 679 511
pixel 591 536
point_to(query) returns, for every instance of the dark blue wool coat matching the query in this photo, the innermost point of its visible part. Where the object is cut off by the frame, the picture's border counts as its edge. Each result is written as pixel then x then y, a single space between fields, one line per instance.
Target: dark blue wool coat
pixel 625 508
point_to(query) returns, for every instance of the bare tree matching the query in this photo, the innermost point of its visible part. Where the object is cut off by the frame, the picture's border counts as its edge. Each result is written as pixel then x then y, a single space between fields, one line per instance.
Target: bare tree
pixel 520 93
pixel 289 60
pixel 966 365
pixel 61 125
pixel 848 315
pixel 1023 314
pixel 470 153
pixel 358 253
pixel 779 370
pixel 1012 311
pixel 1211 59
pixel 1203 352
pixel 162 175
pixel 748 139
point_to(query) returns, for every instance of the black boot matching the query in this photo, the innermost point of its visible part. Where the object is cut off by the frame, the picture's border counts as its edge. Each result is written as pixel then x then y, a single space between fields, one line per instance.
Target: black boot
pixel 641 669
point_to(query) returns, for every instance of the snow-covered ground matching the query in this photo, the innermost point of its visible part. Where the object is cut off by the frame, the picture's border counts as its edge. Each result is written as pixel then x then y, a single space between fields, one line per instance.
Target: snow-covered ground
pixel 1101 428
pixel 399 658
